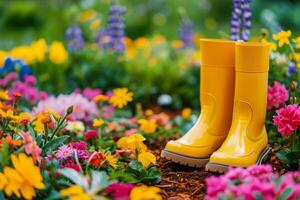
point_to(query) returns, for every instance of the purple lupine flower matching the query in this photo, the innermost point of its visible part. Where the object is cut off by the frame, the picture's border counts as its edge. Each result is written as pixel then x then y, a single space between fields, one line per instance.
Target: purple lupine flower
pixel 103 39
pixel 116 27
pixel 241 20
pixel 291 69
pixel 74 38
pixel 186 33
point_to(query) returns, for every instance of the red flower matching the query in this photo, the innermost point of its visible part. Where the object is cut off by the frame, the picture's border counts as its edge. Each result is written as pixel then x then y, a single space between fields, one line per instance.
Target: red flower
pixel 91 134
pixel 97 159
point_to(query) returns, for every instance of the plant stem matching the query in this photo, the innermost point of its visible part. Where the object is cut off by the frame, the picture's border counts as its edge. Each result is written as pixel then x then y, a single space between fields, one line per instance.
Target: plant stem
pixel 58 127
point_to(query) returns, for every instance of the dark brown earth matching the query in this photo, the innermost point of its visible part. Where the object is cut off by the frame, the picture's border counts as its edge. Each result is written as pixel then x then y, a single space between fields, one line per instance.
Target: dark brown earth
pixel 182 182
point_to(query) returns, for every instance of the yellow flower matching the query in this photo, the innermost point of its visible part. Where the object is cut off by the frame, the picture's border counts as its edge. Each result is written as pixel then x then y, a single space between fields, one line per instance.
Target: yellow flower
pixel 4 95
pixel 52 112
pixel 297 59
pixel 87 15
pixel 282 37
pixel 24 118
pixel 100 98
pixel 39 49
pixel 75 192
pixel 97 123
pixel 273 45
pixel 58 53
pixel 186 113
pixel 3 55
pixel 141 42
pixel 23 179
pixel 177 44
pixel 147 126
pixel 23 52
pixel 148 112
pixel 145 193
pixel 39 124
pixel 134 142
pixel 121 97
pixel 95 24
pixel 297 41
pixel 112 161
pixel 146 158
pixel 9 114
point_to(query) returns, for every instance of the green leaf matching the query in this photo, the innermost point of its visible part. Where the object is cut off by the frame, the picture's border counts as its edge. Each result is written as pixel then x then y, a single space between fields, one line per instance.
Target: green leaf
pixel 75 177
pixel 4 156
pixel 293 157
pixel 53 195
pixel 258 196
pixel 122 177
pixel 285 194
pixel 54 143
pixel 136 166
pixel 2 197
pixel 282 157
pixel 99 180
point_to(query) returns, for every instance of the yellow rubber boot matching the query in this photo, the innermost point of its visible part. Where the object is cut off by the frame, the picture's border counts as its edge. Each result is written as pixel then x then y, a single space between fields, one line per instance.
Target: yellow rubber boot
pixel 216 98
pixel 247 141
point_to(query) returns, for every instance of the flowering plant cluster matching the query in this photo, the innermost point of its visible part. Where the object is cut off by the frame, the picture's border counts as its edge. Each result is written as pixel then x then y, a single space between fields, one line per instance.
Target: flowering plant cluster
pixel 76 148
pixel 256 182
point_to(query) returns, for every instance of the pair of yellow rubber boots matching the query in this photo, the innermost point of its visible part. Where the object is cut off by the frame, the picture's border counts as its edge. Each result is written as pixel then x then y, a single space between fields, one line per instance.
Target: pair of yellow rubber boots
pixel 233 94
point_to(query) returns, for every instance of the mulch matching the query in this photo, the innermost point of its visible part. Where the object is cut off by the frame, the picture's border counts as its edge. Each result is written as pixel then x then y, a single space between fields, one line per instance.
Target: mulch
pixel 188 183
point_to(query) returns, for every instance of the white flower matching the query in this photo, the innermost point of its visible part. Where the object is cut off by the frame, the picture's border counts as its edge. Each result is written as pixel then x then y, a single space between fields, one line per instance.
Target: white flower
pixel 76 127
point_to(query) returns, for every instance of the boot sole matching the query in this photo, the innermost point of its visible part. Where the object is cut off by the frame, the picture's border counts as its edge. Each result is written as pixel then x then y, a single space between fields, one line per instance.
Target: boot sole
pixel 220 168
pixel 184 160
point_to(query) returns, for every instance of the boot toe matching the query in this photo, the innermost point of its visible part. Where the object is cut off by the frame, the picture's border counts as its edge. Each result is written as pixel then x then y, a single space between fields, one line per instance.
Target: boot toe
pixel 223 158
pixel 177 147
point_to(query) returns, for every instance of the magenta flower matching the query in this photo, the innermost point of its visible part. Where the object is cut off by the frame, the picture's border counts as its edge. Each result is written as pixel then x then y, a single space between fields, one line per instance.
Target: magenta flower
pixel 215 186
pixel 277 95
pixel 30 80
pixel 287 120
pixel 64 152
pixel 91 134
pixel 107 111
pixel 251 183
pixel 119 191
pixel 80 145
pixel 90 93
pixel 291 180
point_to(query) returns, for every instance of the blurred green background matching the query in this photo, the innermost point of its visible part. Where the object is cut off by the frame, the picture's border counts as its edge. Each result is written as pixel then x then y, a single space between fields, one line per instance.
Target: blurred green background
pixel 22 21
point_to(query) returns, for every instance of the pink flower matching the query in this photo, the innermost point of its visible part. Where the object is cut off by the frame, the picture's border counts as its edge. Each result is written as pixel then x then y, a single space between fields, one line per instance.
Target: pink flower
pixel 31 147
pixel 64 152
pixel 215 186
pixel 277 95
pixel 291 180
pixel 80 149
pixel 287 120
pixel 30 80
pixel 91 134
pixel 83 109
pixel 90 93
pixel 119 191
pixel 80 145
pixel 251 183
pixel 161 118
pixel 130 131
pixel 107 111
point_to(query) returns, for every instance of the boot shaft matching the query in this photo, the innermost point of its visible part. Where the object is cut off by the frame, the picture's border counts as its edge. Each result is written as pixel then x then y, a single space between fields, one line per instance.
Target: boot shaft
pixel 217 84
pixel 251 85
